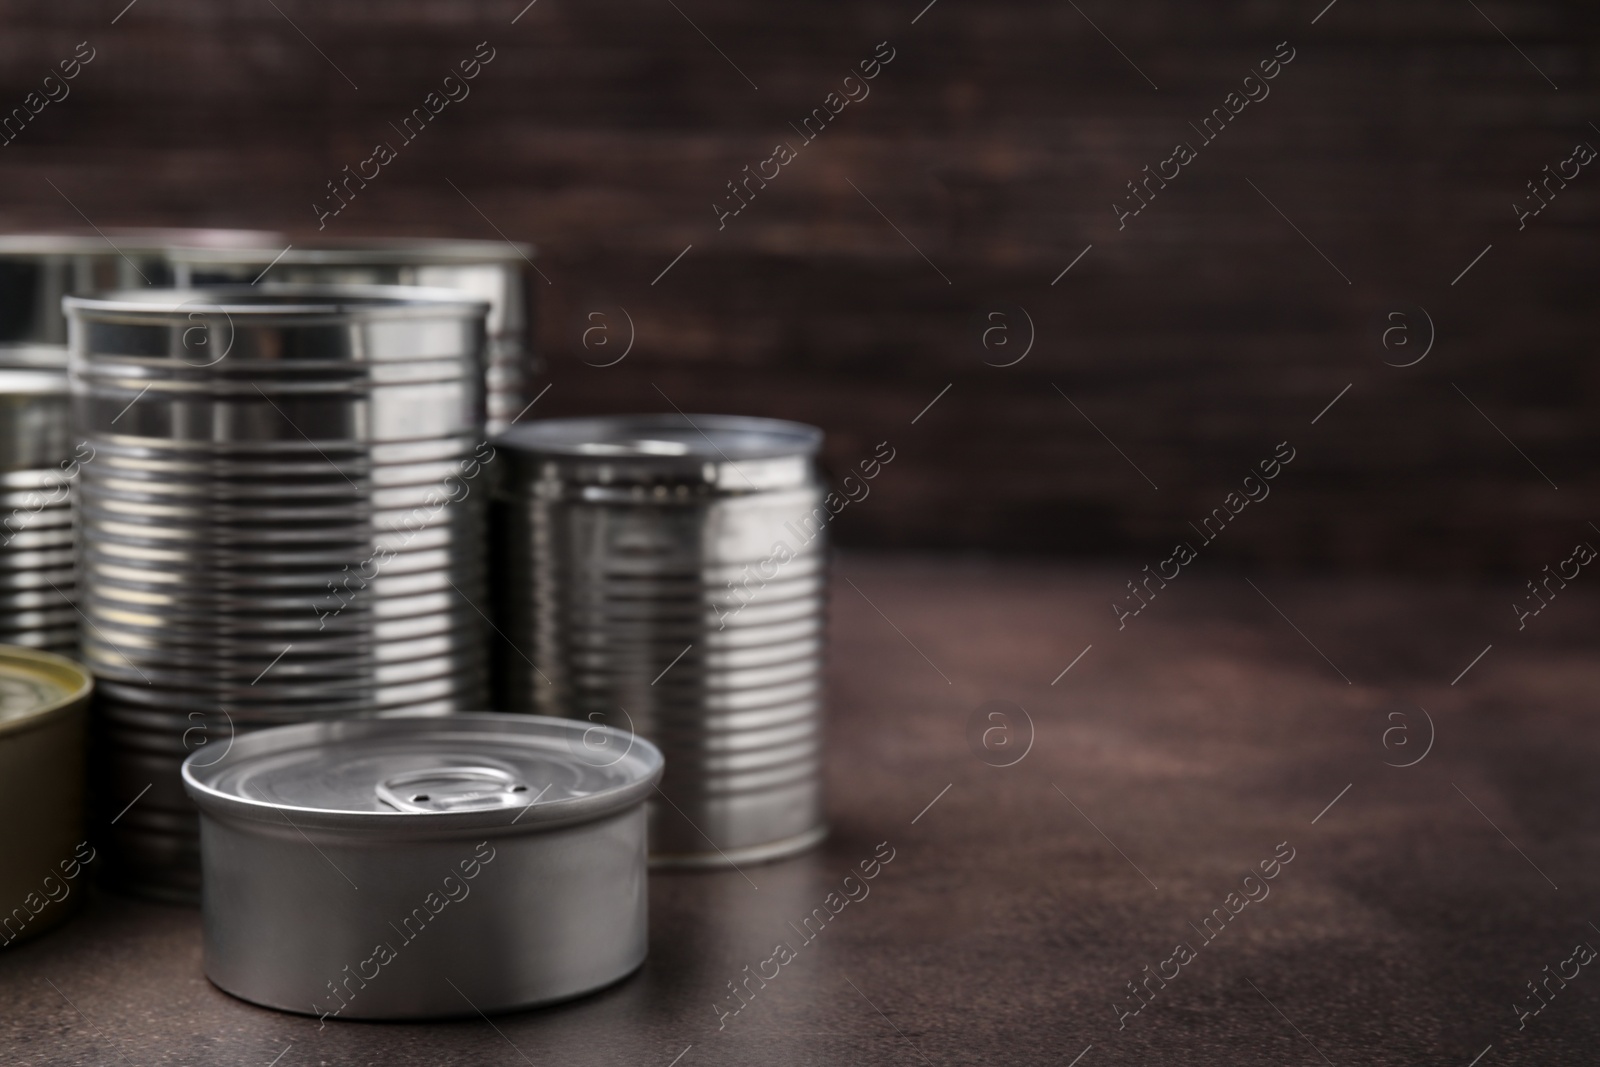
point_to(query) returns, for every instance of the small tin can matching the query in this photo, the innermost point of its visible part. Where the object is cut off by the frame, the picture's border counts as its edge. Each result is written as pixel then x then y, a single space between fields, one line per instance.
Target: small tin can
pixel 414 868
pixel 666 573
pixel 44 701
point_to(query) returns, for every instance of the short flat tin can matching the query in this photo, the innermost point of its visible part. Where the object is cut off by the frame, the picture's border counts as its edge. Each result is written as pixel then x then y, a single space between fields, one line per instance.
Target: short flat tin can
pixel 44 702
pixel 416 868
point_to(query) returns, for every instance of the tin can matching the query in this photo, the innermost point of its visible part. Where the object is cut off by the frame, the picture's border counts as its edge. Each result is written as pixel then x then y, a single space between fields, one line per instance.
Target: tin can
pixel 282 521
pixel 37 464
pixel 38 269
pixel 666 573
pixel 44 701
pixel 424 868
pixel 494 271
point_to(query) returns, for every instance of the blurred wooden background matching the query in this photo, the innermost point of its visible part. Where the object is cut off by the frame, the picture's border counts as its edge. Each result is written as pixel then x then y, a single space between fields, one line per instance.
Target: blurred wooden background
pixel 997 139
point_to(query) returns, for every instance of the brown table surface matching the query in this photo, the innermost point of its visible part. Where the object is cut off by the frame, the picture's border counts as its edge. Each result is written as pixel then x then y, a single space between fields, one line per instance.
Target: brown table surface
pixel 1174 756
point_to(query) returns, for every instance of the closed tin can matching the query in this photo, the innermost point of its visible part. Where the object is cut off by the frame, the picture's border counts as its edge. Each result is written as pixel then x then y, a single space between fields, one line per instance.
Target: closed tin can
pixel 666 573
pixel 281 522
pixel 497 272
pixel 421 868
pixel 44 701
pixel 37 463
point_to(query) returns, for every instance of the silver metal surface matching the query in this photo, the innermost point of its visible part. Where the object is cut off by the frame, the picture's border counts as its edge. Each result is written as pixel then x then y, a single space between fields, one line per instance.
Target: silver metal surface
pixel 38 269
pixel 665 573
pixel 495 271
pixel 282 520
pixel 44 701
pixel 421 868
pixel 37 464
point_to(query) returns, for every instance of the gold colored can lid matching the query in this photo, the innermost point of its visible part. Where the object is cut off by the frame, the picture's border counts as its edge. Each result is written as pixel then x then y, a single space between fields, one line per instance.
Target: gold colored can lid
pixel 34 685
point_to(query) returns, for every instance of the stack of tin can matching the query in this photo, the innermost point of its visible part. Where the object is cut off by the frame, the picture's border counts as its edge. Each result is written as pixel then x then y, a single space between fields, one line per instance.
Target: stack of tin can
pixel 492 271
pixel 665 573
pixel 280 522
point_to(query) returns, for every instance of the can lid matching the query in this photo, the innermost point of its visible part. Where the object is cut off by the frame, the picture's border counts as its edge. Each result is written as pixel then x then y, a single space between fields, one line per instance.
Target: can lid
pixel 114 244
pixel 314 303
pixel 665 438
pixel 35 684
pixel 729 453
pixel 408 775
pixel 358 252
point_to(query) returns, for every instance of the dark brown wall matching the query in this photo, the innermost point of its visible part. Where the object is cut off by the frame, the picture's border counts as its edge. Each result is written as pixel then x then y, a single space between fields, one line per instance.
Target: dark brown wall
pixel 1196 338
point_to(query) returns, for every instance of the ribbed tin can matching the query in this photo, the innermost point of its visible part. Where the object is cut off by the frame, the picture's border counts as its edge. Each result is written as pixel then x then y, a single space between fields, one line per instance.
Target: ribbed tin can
pixel 494 271
pixel 424 868
pixel 38 460
pixel 282 521
pixel 666 574
pixel 44 701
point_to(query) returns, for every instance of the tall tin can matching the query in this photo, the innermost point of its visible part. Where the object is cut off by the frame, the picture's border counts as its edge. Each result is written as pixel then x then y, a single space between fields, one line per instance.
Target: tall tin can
pixel 423 868
pixel 282 522
pixel 666 573
pixel 497 272
pixel 38 460
pixel 44 702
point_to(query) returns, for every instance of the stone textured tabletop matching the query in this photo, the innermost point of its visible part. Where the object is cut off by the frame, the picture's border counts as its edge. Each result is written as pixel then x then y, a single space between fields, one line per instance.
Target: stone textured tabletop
pixel 1226 732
